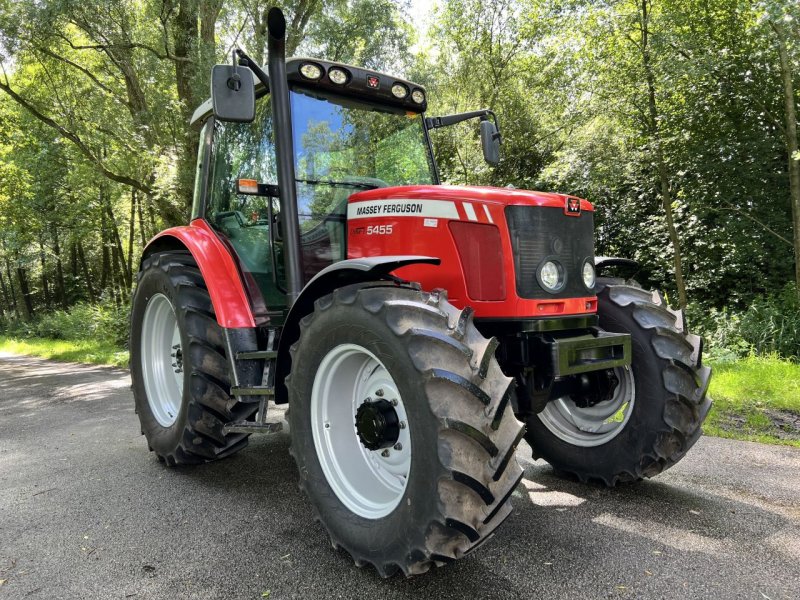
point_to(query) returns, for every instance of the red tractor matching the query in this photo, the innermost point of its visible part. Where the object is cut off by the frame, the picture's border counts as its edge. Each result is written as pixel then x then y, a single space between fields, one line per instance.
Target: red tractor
pixel 417 331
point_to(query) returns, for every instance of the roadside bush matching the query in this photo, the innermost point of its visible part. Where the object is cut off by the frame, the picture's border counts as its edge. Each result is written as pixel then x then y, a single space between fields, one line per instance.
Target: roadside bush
pixel 102 322
pixel 769 326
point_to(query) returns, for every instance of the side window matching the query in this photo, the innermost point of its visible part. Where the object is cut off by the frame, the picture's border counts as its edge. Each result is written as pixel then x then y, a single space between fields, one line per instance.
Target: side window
pixel 241 151
pixel 246 151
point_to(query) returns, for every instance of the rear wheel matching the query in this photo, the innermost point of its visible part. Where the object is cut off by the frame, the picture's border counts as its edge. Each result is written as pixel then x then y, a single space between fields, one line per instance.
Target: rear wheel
pixel 657 407
pixel 401 427
pixel 179 367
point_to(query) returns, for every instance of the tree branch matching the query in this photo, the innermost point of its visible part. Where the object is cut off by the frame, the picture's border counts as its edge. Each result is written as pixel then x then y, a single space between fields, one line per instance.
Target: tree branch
pixel 129 46
pixel 75 139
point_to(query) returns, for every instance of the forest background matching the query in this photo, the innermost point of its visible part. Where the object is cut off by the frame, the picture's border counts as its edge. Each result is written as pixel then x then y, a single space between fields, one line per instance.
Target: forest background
pixel 676 118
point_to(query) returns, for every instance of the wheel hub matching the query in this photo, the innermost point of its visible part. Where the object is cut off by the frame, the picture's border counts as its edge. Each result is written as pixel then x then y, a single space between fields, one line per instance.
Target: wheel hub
pixel 357 406
pixel 177 356
pixel 377 424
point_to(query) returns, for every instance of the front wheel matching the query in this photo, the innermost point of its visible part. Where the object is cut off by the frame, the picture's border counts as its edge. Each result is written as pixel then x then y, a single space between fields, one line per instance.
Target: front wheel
pixel 655 411
pixel 401 427
pixel 179 368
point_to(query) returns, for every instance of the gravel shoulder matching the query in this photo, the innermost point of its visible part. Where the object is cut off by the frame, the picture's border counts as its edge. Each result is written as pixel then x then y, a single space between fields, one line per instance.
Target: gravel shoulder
pixel 87 512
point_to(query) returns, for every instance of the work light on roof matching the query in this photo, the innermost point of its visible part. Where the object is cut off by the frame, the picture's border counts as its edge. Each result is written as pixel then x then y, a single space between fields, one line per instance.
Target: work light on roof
pixel 418 96
pixel 310 71
pixel 338 76
pixel 399 91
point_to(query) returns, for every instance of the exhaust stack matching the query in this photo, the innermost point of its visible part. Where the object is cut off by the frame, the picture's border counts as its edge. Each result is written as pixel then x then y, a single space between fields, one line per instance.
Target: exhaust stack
pixel 284 150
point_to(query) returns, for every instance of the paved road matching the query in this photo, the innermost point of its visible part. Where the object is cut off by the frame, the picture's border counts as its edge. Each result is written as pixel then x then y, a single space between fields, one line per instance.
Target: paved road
pixel 87 512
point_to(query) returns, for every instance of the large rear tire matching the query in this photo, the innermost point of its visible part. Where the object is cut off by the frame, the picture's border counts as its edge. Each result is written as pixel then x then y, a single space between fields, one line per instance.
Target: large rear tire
pixel 658 406
pixel 179 368
pixel 441 482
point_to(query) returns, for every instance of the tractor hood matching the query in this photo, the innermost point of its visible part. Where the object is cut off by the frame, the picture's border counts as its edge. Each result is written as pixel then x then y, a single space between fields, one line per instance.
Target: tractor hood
pixel 453 202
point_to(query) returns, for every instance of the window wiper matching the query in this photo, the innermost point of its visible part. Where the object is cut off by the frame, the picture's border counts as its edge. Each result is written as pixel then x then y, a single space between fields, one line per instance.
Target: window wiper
pixel 351 184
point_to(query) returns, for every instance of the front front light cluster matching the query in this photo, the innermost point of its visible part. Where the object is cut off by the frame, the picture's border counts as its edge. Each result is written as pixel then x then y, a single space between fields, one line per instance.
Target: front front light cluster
pixel 551 275
pixel 588 273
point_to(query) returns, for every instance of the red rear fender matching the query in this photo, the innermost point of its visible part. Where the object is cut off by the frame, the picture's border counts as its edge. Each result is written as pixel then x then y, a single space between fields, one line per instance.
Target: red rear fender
pixel 219 269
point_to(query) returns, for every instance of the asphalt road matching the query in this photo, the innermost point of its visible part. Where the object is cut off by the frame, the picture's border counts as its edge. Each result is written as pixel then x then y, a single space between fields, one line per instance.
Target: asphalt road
pixel 87 512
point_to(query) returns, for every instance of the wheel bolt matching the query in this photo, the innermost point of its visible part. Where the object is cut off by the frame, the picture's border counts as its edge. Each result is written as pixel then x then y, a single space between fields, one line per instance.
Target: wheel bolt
pixel 394 402
pixel 385 454
pixel 398 446
pixel 379 393
pixel 402 424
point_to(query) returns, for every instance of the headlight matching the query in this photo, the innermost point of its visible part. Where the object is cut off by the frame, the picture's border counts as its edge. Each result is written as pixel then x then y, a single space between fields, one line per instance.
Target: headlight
pixel 551 276
pixel 310 71
pixel 338 76
pixel 418 96
pixel 588 273
pixel 400 91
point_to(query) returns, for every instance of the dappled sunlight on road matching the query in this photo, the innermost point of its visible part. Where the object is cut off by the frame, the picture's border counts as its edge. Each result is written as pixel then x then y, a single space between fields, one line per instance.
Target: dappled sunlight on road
pixel 542 496
pixel 674 537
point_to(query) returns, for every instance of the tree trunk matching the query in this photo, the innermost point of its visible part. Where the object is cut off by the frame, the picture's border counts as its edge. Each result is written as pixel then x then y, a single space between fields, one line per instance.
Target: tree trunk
pixel 61 289
pixel 661 165
pixel 86 276
pixel 790 134
pixel 131 233
pixel 105 263
pixel 12 290
pixel 142 228
pixel 119 259
pixel 45 284
pixel 7 306
pixel 24 289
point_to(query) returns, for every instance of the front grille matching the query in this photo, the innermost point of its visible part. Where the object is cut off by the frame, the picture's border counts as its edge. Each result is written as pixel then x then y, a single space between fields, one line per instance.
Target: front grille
pixel 538 232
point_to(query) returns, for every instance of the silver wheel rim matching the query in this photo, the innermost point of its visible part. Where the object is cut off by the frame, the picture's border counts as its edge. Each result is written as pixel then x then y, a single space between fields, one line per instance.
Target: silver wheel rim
pixel 162 360
pixel 592 425
pixel 370 483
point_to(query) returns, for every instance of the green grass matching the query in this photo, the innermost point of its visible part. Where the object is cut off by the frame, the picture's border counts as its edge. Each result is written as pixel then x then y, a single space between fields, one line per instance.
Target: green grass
pixel 81 351
pixel 756 399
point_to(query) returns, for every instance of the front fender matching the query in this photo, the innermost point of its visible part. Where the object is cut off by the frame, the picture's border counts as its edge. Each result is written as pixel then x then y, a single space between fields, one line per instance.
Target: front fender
pixel 337 275
pixel 219 269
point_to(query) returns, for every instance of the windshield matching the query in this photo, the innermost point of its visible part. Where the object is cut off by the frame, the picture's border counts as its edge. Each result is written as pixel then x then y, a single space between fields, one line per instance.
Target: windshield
pixel 342 146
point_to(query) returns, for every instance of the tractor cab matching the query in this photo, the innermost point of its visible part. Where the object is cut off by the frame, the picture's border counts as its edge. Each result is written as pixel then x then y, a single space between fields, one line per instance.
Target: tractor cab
pixel 352 130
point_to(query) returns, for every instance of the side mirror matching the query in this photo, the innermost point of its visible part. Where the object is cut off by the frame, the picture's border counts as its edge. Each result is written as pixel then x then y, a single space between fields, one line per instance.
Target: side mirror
pixel 490 141
pixel 233 95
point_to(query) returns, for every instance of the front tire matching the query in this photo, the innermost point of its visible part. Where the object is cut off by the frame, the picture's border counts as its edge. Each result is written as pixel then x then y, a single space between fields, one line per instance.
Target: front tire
pixel 658 407
pixel 455 470
pixel 179 368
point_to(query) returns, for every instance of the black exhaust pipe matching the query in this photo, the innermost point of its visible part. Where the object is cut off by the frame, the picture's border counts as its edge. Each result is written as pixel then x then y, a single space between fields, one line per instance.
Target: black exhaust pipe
pixel 284 151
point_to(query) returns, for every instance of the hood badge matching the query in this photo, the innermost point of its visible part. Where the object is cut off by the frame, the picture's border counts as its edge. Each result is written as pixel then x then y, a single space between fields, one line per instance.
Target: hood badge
pixel 572 206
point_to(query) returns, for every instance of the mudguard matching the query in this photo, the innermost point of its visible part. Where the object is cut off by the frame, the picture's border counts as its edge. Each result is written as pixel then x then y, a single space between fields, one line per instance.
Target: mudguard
pixel 346 272
pixel 219 269
pixel 605 262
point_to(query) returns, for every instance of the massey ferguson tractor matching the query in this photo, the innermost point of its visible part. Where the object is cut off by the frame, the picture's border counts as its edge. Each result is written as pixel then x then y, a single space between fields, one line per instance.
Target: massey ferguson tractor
pixel 417 331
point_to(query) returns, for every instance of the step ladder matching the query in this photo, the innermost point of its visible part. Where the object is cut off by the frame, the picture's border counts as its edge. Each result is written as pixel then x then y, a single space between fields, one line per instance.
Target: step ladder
pixel 261 394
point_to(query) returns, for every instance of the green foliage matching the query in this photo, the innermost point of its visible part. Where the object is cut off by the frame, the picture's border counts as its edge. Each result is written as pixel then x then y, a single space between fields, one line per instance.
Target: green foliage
pixel 769 326
pixel 105 323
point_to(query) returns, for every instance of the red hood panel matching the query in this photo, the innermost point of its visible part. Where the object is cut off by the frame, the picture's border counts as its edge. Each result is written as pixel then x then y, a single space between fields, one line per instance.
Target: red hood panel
pixel 489 195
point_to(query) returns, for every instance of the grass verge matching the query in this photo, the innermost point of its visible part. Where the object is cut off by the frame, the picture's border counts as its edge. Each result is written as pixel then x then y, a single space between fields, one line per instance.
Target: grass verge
pixel 756 399
pixel 81 351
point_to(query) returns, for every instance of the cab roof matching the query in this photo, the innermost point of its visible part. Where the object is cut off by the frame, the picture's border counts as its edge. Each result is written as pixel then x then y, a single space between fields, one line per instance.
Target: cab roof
pixel 358 82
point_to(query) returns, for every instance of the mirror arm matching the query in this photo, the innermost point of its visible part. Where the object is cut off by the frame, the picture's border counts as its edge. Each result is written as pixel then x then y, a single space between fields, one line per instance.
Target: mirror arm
pixel 447 120
pixel 246 61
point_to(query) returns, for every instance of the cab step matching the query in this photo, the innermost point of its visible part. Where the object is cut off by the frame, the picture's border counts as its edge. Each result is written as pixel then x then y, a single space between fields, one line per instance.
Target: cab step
pixel 257 354
pixel 257 392
pixel 252 427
